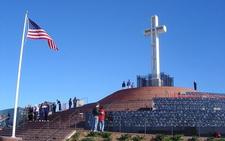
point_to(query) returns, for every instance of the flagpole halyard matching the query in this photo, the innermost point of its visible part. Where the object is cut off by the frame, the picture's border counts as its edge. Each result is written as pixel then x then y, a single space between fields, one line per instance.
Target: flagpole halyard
pixel 18 78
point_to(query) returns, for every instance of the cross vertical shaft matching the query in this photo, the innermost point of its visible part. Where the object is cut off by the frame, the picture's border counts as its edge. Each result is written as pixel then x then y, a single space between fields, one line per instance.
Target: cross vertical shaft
pixel 154 33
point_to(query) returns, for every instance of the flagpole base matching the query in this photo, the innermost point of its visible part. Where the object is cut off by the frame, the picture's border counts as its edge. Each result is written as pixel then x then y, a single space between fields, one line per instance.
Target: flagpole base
pixel 2 138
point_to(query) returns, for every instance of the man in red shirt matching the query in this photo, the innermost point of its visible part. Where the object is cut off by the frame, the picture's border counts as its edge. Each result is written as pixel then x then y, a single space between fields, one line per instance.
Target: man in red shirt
pixel 101 118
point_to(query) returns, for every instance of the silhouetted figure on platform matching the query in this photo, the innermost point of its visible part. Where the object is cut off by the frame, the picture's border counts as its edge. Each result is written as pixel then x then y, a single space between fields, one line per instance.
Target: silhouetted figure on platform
pixel 53 108
pixel 195 86
pixel 128 84
pixel 59 104
pixel 70 103
pixel 123 84
pixel 132 85
pixel 74 102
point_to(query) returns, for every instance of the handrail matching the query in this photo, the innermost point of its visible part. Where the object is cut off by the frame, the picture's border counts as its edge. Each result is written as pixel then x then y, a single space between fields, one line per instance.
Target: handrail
pixel 57 117
pixel 74 114
pixel 3 119
pixel 58 124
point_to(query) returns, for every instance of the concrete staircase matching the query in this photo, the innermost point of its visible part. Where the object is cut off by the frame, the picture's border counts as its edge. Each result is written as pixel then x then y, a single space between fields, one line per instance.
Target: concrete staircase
pixel 59 126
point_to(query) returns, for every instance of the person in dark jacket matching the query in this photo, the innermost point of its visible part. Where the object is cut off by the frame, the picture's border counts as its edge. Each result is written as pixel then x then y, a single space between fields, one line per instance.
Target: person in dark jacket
pixel 53 108
pixel 70 103
pixel 95 113
pixel 74 102
pixel 128 83
pixel 30 113
pixel 123 85
pixel 59 104
pixel 45 108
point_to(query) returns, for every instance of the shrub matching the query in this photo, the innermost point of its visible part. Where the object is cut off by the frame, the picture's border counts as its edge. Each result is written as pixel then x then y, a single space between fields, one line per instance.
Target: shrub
pixel 124 137
pixel 210 139
pixel 159 137
pixel 137 138
pixel 105 135
pixel 167 138
pixel 93 134
pixel 176 138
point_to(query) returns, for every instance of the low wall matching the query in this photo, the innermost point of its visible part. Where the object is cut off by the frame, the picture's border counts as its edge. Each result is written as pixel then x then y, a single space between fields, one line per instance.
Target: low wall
pixel 145 122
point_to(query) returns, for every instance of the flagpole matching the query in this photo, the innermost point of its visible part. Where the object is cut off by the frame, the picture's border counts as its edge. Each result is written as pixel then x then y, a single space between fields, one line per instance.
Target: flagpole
pixel 18 78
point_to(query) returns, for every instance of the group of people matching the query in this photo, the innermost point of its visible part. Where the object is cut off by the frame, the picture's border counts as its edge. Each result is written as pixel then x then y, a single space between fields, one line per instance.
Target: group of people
pixel 74 102
pixel 70 103
pixel 129 84
pixel 39 112
pixel 98 118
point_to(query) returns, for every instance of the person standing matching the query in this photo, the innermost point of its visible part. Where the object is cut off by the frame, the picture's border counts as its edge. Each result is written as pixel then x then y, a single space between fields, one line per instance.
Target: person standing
pixel 30 113
pixel 101 118
pixel 7 120
pixel 74 102
pixel 195 85
pixel 59 104
pixel 132 85
pixel 53 107
pixel 123 85
pixel 128 83
pixel 95 113
pixel 70 103
pixel 35 112
pixel 40 112
pixel 45 111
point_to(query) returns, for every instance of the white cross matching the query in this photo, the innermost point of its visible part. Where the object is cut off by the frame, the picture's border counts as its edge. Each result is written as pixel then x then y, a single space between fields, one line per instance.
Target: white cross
pixel 154 32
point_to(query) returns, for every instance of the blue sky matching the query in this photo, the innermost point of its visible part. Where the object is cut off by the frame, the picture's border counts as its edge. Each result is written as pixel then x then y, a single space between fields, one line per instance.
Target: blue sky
pixel 102 43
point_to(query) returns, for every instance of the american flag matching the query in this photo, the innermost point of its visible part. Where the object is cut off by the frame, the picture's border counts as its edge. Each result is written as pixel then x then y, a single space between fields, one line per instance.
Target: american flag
pixel 36 32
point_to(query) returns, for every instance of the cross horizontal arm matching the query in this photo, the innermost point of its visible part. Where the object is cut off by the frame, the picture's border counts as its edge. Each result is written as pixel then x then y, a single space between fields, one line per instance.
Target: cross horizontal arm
pixel 159 29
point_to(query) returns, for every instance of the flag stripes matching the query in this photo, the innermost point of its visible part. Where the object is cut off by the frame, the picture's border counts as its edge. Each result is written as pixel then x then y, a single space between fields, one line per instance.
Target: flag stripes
pixel 36 32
